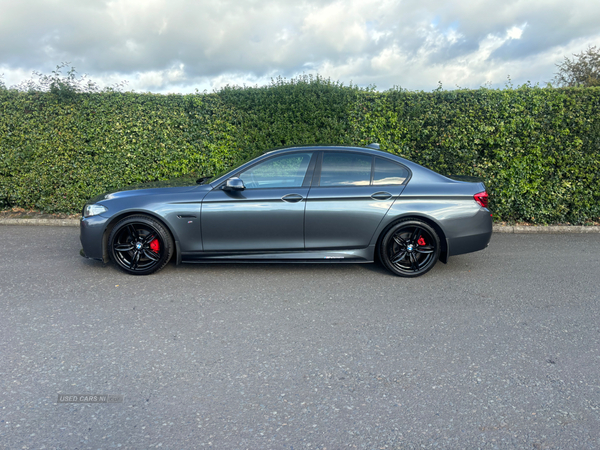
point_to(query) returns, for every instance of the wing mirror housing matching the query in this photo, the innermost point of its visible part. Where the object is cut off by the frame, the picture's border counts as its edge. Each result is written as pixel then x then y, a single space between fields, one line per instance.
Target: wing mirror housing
pixel 234 184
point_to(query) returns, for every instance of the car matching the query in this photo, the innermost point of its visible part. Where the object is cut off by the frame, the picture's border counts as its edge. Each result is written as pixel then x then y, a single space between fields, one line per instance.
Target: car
pixel 297 204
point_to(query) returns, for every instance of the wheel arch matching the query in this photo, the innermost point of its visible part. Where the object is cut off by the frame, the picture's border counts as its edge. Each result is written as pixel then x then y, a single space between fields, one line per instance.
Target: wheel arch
pixel 118 217
pixel 444 250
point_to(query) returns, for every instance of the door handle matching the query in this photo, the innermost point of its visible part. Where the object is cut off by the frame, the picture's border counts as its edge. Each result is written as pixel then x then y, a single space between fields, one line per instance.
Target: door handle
pixel 381 196
pixel 292 198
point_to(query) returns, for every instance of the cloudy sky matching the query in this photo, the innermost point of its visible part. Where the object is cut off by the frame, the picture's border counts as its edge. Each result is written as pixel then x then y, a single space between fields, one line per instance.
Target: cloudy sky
pixel 183 45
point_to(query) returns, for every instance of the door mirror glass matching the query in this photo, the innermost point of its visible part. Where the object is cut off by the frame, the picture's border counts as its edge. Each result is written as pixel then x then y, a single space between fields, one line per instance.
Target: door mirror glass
pixel 234 184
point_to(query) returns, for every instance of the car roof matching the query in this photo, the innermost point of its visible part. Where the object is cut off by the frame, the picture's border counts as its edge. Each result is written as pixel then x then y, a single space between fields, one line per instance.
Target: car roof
pixel 346 148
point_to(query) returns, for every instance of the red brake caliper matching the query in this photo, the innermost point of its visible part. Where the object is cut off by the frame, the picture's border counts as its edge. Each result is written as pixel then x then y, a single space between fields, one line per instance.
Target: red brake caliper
pixel 421 241
pixel 155 246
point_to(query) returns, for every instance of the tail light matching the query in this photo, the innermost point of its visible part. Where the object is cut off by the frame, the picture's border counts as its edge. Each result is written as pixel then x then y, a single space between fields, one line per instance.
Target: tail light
pixel 481 198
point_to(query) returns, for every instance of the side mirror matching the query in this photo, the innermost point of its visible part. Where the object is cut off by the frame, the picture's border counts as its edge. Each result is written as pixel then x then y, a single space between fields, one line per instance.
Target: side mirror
pixel 234 184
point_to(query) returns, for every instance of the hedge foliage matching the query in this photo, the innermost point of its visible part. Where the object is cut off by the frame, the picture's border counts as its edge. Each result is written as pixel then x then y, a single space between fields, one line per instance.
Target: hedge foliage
pixel 537 149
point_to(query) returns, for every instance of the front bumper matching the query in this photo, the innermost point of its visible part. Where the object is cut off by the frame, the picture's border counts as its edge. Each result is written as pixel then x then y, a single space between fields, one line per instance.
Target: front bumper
pixel 91 235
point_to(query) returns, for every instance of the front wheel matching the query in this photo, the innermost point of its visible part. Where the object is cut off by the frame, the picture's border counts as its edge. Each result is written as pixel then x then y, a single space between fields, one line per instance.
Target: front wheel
pixel 410 248
pixel 140 245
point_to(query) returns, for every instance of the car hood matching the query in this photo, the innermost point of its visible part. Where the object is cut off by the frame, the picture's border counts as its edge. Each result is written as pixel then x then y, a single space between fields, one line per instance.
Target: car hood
pixel 174 186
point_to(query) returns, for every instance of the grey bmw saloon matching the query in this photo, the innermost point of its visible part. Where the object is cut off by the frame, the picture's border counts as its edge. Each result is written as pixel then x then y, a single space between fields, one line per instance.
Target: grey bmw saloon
pixel 300 204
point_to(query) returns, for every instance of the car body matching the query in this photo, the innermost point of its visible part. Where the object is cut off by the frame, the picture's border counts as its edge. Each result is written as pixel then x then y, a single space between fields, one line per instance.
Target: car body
pixel 298 204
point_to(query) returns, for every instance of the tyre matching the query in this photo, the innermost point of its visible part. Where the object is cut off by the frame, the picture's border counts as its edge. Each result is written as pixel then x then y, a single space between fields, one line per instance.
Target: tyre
pixel 410 248
pixel 140 245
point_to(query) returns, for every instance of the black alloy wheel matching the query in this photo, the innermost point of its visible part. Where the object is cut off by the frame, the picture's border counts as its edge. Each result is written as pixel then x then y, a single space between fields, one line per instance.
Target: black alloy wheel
pixel 410 248
pixel 140 245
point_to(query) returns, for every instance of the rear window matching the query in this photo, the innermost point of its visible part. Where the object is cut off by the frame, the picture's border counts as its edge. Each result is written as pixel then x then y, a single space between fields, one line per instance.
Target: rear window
pixel 387 172
pixel 346 169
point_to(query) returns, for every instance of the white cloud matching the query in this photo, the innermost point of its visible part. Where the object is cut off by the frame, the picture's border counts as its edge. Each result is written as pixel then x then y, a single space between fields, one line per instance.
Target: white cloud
pixel 180 45
pixel 515 32
pixel 338 27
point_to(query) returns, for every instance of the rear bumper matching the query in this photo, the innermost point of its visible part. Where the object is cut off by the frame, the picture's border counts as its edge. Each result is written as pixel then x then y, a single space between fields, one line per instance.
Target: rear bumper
pixel 478 237
pixel 469 244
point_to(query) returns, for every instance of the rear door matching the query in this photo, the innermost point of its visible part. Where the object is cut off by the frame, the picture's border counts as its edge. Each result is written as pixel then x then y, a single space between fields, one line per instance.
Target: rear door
pixel 350 195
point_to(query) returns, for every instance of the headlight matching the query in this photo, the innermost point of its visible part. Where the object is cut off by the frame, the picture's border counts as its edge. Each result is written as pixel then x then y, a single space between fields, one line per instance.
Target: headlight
pixel 93 210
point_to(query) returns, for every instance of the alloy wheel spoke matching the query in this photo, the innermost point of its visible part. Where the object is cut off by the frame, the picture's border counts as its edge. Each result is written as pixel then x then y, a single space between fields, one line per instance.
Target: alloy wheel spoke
pixel 414 264
pixel 398 257
pixel 398 240
pixel 415 235
pixel 151 236
pixel 132 232
pixel 123 247
pixel 135 260
pixel 425 249
pixel 151 255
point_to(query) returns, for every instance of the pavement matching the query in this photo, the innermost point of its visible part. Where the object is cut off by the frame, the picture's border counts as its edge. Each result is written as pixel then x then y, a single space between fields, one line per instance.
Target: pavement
pixel 497 228
pixel 496 349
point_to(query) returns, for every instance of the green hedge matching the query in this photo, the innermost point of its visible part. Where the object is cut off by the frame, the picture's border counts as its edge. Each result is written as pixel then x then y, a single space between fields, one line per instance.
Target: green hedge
pixel 538 150
pixel 55 153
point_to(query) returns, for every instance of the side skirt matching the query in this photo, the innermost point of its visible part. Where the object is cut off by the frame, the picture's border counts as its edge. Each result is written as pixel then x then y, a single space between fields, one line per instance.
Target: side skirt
pixel 363 255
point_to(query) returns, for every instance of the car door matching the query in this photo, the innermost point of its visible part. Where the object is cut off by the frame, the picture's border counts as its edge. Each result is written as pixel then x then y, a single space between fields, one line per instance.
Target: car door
pixel 351 193
pixel 267 215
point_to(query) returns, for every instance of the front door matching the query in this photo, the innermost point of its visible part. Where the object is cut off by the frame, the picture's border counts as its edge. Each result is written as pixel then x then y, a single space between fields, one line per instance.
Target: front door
pixel 268 215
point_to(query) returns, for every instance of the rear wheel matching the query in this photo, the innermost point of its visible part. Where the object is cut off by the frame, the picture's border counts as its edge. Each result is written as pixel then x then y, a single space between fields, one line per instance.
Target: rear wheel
pixel 410 248
pixel 140 245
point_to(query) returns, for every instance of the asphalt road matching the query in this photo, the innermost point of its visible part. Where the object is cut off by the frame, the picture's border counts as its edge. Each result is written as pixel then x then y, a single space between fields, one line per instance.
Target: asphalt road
pixel 497 349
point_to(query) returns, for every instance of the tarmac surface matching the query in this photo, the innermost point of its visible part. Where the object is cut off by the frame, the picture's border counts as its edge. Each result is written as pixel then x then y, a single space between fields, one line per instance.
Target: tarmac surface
pixel 496 349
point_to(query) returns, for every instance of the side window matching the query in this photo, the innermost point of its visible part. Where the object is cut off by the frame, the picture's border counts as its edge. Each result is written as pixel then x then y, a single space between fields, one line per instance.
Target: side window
pixel 388 172
pixel 280 171
pixel 345 169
